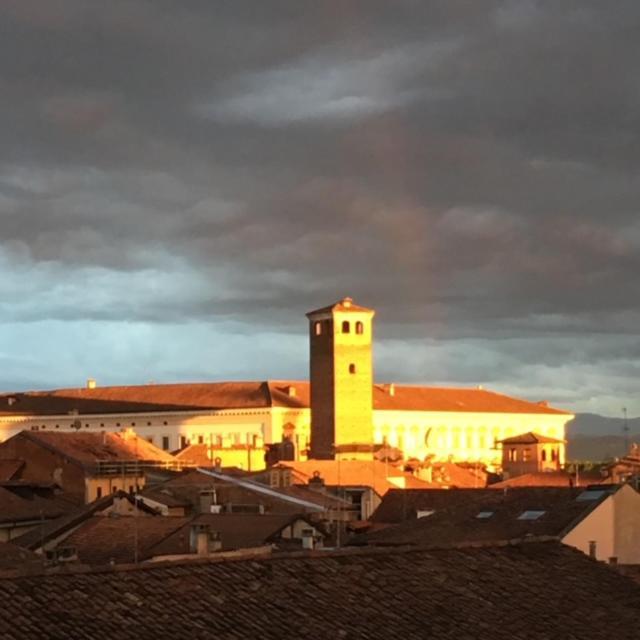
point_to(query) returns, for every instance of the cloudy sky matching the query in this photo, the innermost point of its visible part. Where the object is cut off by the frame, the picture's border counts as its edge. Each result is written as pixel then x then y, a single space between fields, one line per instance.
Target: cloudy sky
pixel 181 181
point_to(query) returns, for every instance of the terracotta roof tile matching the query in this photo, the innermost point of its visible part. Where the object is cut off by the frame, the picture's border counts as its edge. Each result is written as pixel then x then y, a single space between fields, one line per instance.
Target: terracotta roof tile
pixel 254 394
pixel 89 448
pixel 531 438
pixel 454 514
pixel 102 539
pixel 343 305
pixel 361 473
pixel 551 479
pixel 528 591
pixel 10 469
pixel 18 508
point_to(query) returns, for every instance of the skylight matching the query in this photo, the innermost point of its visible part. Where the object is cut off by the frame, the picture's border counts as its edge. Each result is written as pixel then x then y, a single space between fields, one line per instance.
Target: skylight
pixel 590 495
pixel 483 515
pixel 531 515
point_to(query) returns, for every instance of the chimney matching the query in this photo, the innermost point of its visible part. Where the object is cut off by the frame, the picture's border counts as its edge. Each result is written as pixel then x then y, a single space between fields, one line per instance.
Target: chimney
pixel 316 483
pixel 346 302
pixel 291 391
pixel 203 540
pixel 91 383
pixel 392 389
pixel 592 549
pixel 307 539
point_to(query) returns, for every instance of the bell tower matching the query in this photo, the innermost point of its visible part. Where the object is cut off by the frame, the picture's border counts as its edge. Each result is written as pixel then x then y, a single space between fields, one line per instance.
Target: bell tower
pixel 341 376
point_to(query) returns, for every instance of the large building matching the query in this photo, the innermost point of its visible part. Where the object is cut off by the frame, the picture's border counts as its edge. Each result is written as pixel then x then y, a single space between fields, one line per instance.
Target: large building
pixel 351 416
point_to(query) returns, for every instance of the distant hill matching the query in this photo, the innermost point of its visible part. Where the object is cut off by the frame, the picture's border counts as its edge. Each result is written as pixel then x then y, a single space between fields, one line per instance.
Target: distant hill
pixel 598 438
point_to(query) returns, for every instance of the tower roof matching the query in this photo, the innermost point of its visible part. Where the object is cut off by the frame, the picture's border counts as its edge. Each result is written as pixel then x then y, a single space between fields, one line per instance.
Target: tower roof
pixel 344 306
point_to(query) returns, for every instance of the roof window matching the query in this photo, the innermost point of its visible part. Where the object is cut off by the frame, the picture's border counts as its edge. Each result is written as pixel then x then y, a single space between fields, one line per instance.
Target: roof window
pixel 484 515
pixel 588 495
pixel 423 513
pixel 531 515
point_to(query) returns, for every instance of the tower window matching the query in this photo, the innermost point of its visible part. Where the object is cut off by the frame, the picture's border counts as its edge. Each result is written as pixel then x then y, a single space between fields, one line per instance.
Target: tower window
pixel 346 327
pixel 352 368
pixel 317 328
pixel 359 328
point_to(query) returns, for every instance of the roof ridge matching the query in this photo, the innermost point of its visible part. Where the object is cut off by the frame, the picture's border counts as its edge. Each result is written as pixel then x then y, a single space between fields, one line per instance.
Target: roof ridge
pixel 281 556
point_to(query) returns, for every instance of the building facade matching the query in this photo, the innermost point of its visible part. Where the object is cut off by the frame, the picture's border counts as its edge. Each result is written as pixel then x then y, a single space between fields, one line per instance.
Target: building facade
pixel 341 411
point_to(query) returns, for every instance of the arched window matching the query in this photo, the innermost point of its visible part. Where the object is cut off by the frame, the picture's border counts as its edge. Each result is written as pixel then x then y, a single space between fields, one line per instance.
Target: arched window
pixel 554 455
pixel 317 328
pixel 359 328
pixel 346 327
pixel 544 455
pixel 352 368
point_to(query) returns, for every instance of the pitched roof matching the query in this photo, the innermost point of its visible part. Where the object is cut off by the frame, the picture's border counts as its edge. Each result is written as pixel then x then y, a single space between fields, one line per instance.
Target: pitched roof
pixel 237 531
pixel 254 395
pixel 102 539
pixel 530 438
pixel 343 305
pixel 379 476
pixel 447 399
pixel 12 556
pixel 185 488
pixel 9 469
pixel 18 508
pixel 38 536
pixel 455 515
pixel 88 448
pixel 529 591
pixel 149 398
pixel 552 479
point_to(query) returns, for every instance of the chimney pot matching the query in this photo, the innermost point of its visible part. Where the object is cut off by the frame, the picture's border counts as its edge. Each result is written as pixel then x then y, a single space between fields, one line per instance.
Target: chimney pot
pixel 91 383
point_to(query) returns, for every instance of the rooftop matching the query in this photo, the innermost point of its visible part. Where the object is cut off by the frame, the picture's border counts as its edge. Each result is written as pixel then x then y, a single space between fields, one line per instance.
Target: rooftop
pixel 531 438
pixel 361 473
pixel 343 305
pixel 529 591
pixel 89 448
pixel 454 515
pixel 209 396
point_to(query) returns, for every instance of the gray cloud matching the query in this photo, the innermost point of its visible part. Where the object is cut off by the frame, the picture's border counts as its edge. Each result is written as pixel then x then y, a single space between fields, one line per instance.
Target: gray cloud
pixel 470 170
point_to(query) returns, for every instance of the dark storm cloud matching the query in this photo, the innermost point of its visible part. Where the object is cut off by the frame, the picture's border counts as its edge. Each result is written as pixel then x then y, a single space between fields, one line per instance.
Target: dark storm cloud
pixel 469 169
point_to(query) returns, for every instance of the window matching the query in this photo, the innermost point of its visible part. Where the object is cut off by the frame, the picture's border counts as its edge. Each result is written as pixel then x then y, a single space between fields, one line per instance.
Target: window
pixel 352 368
pixel 346 327
pixel 200 439
pixel 526 455
pixel 554 455
pixel 531 515
pixel 484 515
pixel 98 492
pixel 359 328
pixel 317 328
pixel 150 439
pixel 423 513
pixel 165 443
pixel 544 455
pixel 183 442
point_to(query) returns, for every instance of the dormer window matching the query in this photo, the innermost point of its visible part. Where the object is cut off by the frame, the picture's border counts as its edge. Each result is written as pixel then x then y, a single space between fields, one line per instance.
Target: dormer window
pixel 346 327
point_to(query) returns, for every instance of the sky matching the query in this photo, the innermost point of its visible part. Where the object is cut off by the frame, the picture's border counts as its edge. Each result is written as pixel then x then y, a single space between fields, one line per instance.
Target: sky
pixel 181 181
